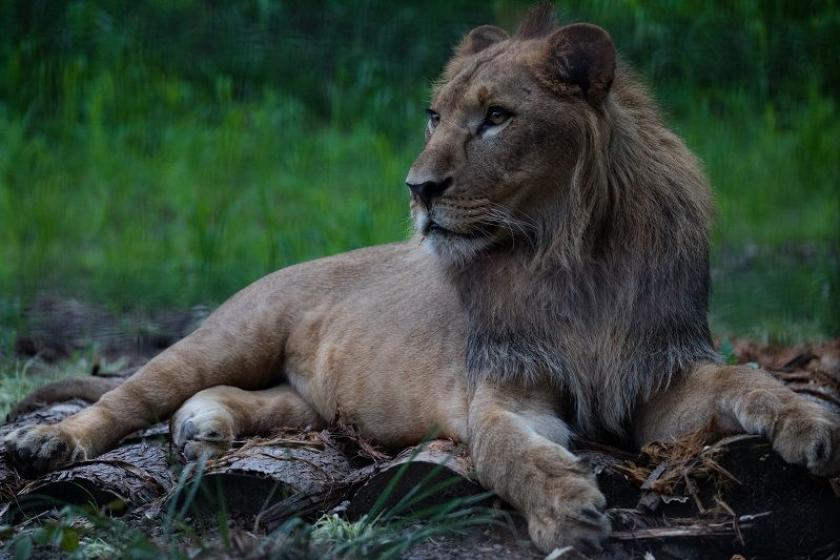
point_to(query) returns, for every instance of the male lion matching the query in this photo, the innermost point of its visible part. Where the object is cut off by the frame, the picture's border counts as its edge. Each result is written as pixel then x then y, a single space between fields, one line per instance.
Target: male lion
pixel 556 287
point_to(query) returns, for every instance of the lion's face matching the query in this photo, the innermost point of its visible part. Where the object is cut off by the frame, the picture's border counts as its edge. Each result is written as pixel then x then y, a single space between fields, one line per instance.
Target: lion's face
pixel 503 138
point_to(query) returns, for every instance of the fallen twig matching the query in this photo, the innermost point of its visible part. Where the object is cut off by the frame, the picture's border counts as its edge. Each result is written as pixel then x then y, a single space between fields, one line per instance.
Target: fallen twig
pixel 710 529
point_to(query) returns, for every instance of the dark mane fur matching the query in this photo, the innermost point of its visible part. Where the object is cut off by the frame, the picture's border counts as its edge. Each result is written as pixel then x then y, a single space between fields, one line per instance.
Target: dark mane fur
pixel 609 299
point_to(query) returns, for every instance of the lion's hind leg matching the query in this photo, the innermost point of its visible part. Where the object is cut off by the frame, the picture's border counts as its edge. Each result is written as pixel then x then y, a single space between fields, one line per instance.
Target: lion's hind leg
pixel 734 399
pixel 209 422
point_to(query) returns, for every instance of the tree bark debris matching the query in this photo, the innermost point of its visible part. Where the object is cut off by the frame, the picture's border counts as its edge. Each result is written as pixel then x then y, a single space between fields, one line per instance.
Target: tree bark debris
pixel 439 465
pixel 125 477
pixel 255 478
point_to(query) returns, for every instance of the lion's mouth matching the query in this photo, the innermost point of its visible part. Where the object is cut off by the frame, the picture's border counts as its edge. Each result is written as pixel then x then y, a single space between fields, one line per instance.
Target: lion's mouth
pixel 434 228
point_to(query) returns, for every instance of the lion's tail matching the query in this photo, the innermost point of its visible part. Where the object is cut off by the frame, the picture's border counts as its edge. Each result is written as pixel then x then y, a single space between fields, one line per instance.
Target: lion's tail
pixel 87 388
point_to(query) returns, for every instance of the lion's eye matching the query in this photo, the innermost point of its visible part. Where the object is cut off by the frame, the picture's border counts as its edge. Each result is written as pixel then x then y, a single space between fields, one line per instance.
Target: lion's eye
pixel 496 116
pixel 434 118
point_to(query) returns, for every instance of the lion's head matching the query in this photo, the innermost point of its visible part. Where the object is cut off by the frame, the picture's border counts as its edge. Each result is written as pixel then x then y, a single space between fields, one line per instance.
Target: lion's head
pixel 507 127
pixel 572 221
pixel 531 140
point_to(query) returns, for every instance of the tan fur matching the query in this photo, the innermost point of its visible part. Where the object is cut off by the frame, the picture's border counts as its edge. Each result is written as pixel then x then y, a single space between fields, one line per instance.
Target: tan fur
pixel 562 292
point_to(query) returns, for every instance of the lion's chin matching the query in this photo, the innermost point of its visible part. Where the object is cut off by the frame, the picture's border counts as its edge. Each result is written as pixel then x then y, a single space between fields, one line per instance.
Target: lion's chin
pixel 451 248
pixel 454 250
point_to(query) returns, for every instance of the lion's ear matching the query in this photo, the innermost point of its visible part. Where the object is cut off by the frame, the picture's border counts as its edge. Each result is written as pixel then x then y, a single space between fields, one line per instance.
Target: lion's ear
pixel 479 39
pixel 580 58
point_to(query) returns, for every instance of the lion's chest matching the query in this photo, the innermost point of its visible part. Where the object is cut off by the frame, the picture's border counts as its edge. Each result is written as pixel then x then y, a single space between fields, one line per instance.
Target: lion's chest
pixel 390 363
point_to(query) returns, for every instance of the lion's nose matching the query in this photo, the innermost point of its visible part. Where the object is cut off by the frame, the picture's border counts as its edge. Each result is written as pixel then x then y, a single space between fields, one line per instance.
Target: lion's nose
pixel 427 191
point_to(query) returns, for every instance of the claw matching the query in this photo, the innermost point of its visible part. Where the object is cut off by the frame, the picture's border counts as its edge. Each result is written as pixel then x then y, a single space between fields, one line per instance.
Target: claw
pixel 35 450
pixel 589 546
pixel 590 516
pixel 200 437
pixel 188 430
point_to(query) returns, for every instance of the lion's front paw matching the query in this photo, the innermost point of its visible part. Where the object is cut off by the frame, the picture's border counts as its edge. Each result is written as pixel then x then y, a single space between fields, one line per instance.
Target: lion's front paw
pixel 567 509
pixel 201 433
pixel 809 436
pixel 35 450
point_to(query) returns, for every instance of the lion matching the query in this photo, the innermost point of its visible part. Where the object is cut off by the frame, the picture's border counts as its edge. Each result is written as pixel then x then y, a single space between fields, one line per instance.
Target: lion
pixel 556 287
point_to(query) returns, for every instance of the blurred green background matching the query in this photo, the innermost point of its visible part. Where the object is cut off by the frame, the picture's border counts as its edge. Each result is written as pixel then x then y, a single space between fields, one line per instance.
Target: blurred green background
pixel 165 153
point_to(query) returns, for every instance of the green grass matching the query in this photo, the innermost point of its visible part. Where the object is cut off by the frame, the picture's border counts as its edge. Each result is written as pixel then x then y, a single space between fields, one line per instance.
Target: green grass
pixel 772 170
pixel 213 206
pixel 192 208
pixel 776 258
pixel 19 377
pixel 157 155
pixel 150 159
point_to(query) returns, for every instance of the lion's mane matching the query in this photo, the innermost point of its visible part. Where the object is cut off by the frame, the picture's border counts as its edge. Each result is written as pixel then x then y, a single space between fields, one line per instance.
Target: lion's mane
pixel 609 300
